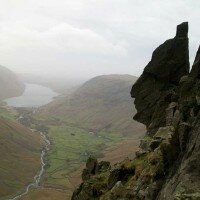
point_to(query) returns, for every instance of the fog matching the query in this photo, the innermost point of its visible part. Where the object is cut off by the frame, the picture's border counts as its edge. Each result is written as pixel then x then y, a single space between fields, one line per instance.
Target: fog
pixel 79 39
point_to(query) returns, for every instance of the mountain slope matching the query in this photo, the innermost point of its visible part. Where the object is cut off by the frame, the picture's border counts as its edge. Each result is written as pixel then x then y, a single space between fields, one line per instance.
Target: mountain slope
pixel 20 151
pixel 102 103
pixel 10 85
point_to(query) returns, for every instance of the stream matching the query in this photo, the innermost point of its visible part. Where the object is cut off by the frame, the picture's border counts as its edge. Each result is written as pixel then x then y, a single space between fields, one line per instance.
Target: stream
pixel 38 176
pixel 33 97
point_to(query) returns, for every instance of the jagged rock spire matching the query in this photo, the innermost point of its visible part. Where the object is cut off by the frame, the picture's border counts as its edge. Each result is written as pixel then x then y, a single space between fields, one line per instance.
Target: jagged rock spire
pixel 182 30
pixel 169 62
pixel 195 72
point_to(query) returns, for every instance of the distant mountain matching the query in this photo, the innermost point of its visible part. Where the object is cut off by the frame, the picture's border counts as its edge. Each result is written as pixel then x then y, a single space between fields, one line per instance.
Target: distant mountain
pixel 19 157
pixel 10 85
pixel 101 104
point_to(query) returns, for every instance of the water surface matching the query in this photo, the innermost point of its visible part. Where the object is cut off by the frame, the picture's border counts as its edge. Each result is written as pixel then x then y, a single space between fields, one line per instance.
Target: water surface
pixel 33 96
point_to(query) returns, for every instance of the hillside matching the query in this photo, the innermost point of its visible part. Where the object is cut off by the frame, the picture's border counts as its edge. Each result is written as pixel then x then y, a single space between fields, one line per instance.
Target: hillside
pixel 102 103
pixel 167 98
pixel 95 120
pixel 10 85
pixel 20 151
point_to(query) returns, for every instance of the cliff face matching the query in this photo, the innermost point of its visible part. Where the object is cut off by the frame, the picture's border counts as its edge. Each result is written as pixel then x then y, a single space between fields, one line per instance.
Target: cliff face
pixel 167 99
pixel 170 61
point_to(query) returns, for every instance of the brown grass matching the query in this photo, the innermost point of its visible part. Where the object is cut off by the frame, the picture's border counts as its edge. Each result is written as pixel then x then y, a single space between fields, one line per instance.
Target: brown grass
pixel 47 194
pixel 114 154
pixel 20 151
pixel 124 149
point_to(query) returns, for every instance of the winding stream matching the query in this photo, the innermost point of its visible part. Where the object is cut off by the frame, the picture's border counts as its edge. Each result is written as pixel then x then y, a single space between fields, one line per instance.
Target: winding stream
pixel 34 96
pixel 38 176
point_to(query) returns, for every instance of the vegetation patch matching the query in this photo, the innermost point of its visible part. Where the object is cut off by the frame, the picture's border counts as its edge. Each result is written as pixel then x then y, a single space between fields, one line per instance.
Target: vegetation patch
pixel 70 148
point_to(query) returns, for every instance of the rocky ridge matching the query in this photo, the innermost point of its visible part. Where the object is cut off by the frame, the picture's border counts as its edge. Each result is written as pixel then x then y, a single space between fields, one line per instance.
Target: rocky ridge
pixel 167 99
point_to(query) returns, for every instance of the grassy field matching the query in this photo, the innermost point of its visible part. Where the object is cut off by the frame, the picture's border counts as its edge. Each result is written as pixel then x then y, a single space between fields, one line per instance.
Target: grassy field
pixel 70 148
pixel 7 112
pixel 69 151
pixel 114 152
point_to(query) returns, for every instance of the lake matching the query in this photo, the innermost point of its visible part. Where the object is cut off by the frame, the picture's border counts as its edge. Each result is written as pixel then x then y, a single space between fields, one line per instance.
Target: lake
pixel 33 96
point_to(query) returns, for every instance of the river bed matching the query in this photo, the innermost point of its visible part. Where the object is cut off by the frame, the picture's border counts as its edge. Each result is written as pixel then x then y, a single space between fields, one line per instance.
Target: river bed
pixel 34 96
pixel 38 176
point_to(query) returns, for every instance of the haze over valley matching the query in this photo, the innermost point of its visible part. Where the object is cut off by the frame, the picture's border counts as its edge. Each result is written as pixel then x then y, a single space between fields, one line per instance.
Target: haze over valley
pixel 96 102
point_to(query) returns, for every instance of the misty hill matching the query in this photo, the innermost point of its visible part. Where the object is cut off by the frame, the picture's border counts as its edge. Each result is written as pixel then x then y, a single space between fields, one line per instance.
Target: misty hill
pixel 102 103
pixel 10 85
pixel 60 84
pixel 19 156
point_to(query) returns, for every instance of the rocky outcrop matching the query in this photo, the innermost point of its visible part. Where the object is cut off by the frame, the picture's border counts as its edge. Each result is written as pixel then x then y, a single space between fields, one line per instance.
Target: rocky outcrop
pixel 167 99
pixel 95 178
pixel 183 181
pixel 169 62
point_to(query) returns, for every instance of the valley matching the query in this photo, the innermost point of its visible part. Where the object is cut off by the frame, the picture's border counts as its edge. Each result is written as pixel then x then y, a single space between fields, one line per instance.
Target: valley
pixel 99 100
pixel 71 147
pixel 76 130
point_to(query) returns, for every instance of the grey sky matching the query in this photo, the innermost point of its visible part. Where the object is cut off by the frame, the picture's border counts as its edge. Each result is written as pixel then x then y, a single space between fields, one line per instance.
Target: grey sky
pixel 90 37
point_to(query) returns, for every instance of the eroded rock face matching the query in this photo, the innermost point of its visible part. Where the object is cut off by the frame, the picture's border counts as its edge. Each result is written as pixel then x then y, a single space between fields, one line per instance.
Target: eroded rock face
pixel 183 181
pixel 170 61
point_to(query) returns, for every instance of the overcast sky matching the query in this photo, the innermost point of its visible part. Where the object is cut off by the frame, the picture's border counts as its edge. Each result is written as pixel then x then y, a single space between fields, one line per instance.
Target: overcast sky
pixel 90 37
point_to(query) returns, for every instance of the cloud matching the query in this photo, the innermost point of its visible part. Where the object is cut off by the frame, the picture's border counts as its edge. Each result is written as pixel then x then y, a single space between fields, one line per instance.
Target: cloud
pixel 62 37
pixel 89 37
